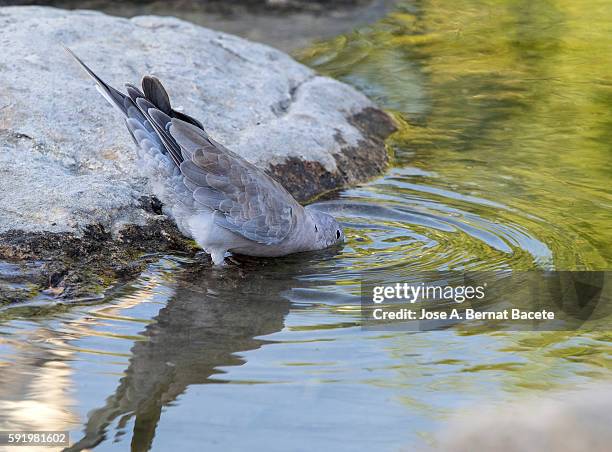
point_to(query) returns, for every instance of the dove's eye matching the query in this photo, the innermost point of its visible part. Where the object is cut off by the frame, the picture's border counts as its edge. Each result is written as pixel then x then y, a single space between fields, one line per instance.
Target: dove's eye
pixel 337 234
pixel 316 228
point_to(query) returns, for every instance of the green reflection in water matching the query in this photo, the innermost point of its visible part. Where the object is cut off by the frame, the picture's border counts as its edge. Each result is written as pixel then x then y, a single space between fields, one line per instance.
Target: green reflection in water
pixel 507 101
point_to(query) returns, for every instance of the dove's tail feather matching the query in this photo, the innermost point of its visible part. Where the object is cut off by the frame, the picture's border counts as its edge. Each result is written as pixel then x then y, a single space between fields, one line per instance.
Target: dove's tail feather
pixel 155 93
pixel 113 96
pixel 137 107
pixel 148 112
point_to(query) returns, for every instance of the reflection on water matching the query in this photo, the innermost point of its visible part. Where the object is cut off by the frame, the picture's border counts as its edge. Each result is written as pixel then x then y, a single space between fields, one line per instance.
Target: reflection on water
pixel 509 103
pixel 502 161
pixel 199 329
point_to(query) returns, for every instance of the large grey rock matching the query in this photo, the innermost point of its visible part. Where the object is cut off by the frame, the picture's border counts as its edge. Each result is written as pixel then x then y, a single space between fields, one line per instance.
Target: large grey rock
pixel 66 161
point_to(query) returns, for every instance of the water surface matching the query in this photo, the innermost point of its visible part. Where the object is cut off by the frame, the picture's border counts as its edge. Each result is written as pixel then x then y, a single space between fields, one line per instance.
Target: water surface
pixel 502 162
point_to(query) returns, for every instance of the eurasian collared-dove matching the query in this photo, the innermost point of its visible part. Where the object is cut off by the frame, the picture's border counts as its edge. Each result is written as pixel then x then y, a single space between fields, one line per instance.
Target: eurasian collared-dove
pixel 215 196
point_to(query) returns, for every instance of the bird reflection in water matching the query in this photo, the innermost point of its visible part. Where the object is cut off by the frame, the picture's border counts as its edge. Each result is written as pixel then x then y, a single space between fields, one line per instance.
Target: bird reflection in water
pixel 213 315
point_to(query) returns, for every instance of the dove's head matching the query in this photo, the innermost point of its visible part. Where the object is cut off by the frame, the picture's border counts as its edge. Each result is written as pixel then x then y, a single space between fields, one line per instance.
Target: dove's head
pixel 327 230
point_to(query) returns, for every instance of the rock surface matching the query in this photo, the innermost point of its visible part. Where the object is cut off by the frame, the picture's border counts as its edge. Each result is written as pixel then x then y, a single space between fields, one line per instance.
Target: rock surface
pixel 66 161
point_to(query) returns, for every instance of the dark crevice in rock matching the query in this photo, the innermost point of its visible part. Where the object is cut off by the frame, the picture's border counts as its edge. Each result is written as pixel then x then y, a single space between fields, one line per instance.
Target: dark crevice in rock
pixel 282 107
pixel 293 90
pixel 12 136
pixel 235 54
pixel 151 204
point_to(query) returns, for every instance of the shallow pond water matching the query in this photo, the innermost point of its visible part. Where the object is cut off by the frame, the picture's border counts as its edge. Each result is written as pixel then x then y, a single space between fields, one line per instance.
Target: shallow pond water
pixel 502 161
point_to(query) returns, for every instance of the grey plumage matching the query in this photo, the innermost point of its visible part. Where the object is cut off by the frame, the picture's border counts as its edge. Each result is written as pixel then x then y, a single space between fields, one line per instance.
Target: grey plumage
pixel 217 197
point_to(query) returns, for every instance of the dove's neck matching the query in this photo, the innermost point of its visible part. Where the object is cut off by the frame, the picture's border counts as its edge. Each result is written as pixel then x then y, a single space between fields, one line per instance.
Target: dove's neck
pixel 303 237
pixel 316 229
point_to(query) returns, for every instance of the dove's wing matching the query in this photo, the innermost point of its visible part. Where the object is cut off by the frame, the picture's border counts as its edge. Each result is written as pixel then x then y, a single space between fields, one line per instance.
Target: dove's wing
pixel 200 173
pixel 250 202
